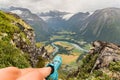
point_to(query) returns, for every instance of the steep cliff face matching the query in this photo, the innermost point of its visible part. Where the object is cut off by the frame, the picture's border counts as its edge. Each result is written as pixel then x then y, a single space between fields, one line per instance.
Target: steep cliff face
pixel 21 36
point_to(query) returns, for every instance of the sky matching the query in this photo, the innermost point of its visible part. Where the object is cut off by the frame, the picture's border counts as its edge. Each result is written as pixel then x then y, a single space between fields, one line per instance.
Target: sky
pixel 72 6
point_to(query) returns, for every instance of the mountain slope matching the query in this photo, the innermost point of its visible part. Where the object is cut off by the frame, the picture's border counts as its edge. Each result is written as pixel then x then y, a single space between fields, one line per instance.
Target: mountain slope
pixel 9 54
pixel 40 27
pixel 76 20
pixel 103 24
pixel 55 19
pixel 17 43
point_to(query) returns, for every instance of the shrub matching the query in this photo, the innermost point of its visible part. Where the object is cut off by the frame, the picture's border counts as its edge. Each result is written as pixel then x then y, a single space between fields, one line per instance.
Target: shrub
pixel 41 62
pixel 115 66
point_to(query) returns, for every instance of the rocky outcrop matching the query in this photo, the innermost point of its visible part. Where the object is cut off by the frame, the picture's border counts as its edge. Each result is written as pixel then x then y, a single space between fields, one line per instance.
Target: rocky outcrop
pixel 101 61
pixel 25 40
pixel 27 45
pixel 108 52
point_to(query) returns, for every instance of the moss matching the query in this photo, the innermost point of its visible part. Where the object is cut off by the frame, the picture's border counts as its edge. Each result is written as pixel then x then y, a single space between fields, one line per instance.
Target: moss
pixel 102 77
pixel 22 34
pixel 115 66
pixel 41 62
pixel 24 37
pixel 97 73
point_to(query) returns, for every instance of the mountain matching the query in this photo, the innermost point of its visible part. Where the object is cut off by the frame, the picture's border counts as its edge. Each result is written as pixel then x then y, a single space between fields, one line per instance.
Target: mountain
pixel 53 13
pixel 103 24
pixel 96 26
pixel 38 24
pixel 17 42
pixel 55 19
pixel 75 21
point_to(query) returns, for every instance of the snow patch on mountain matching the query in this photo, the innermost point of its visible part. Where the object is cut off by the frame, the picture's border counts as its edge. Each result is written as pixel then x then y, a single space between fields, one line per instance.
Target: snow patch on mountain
pixel 16 11
pixel 45 18
pixel 30 19
pixel 67 16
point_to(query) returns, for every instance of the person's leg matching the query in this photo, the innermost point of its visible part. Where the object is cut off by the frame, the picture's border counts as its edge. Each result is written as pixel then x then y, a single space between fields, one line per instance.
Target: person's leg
pixel 35 73
pixel 13 73
pixel 9 73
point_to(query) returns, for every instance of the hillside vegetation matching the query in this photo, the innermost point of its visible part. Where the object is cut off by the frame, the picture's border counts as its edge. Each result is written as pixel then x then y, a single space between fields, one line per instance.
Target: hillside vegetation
pixel 10 55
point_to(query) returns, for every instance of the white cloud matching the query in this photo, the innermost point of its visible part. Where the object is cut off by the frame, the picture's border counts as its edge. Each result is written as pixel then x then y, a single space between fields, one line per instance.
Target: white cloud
pixel 63 5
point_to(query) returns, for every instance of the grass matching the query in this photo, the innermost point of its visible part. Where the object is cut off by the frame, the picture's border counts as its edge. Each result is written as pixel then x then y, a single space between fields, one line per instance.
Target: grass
pixel 67 59
pixel 63 35
pixel 57 37
pixel 65 45
pixel 66 33
pixel 10 55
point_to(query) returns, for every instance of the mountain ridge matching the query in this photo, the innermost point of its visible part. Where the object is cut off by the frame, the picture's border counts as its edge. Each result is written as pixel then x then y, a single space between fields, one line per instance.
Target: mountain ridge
pixel 101 24
pixel 95 26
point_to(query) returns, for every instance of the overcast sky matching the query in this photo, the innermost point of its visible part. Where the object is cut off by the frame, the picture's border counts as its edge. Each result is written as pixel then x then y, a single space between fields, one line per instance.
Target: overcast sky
pixel 72 6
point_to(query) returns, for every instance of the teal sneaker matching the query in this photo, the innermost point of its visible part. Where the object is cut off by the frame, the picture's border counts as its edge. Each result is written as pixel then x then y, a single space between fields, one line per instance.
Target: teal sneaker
pixel 55 64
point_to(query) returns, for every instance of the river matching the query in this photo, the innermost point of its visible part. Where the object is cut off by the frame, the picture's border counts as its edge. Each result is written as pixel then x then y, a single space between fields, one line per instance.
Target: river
pixel 56 49
pixel 73 44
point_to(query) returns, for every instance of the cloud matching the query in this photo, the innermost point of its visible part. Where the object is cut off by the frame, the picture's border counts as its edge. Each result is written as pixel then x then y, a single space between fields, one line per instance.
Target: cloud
pixel 63 5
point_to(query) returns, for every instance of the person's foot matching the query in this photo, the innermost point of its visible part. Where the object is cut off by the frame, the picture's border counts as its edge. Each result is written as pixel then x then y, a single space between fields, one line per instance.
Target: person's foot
pixel 55 65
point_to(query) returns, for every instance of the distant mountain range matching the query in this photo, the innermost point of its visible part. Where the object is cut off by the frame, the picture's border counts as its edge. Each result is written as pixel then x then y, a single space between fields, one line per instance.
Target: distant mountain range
pixel 55 19
pixel 103 24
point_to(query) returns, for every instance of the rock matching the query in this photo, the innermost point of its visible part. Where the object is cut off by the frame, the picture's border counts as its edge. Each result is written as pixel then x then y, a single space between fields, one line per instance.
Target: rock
pixel 27 45
pixel 108 52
